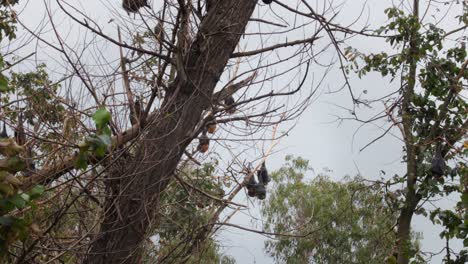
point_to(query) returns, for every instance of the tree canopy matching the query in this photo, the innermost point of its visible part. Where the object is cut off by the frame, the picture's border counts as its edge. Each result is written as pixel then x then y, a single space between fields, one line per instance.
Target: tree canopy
pixel 335 222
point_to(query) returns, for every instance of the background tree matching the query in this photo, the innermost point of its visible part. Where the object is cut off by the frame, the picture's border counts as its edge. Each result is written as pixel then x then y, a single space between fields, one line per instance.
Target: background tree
pixel 185 211
pixel 335 222
pixel 429 109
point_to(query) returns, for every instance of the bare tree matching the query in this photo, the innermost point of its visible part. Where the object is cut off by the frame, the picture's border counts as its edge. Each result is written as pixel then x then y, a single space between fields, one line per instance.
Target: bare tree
pixel 165 74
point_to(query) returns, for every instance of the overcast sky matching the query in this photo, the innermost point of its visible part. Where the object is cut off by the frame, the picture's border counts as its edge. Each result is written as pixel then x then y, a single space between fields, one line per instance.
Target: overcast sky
pixel 316 135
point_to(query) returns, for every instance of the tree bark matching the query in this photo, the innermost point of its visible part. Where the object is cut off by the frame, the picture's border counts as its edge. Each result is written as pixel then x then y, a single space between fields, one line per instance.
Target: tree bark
pixel 136 183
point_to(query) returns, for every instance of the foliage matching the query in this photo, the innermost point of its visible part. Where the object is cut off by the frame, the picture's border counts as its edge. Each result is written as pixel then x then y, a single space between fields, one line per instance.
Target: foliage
pixel 7 30
pixel 95 144
pixel 431 110
pixel 185 212
pixel 13 200
pixel 39 91
pixel 12 225
pixel 342 222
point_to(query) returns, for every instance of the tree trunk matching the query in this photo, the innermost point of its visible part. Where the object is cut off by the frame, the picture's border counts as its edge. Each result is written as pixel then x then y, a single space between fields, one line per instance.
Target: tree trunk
pixel 404 229
pixel 403 242
pixel 136 183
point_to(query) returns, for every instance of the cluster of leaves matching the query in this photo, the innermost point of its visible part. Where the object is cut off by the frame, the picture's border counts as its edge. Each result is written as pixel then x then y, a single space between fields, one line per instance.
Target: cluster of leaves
pixel 338 222
pixel 41 103
pixel 7 29
pixel 12 197
pixel 7 19
pixel 13 225
pixel 437 109
pixel 31 101
pixel 95 145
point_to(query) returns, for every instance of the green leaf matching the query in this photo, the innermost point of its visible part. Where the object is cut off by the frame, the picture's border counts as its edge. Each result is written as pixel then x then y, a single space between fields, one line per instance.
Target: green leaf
pixel 464 199
pixel 106 130
pixel 6 206
pixel 3 83
pixel 100 151
pixel 18 201
pixel 93 141
pixel 36 192
pixel 25 197
pixel 81 161
pixel 101 117
pixel 7 220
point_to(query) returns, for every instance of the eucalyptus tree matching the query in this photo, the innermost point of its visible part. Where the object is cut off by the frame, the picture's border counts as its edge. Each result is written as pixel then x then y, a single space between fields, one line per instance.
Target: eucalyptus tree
pixel 347 221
